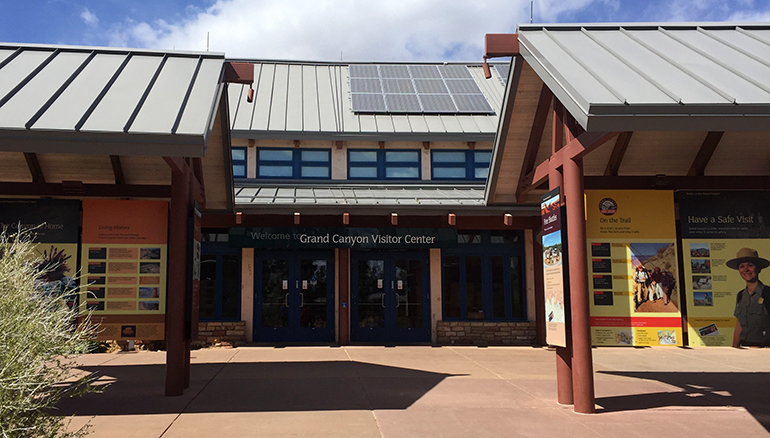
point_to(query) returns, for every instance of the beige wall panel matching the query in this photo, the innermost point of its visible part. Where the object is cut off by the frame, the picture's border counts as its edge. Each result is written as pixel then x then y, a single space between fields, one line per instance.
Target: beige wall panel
pixel 247 291
pixel 339 163
pixel 90 169
pixel 13 167
pixel 251 160
pixel 661 153
pixel 435 292
pixel 145 170
pixel 741 153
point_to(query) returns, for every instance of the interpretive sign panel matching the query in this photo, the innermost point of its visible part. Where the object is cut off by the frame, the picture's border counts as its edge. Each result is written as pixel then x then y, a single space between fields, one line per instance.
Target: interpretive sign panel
pixel 722 234
pixel 124 263
pixel 553 270
pixel 632 257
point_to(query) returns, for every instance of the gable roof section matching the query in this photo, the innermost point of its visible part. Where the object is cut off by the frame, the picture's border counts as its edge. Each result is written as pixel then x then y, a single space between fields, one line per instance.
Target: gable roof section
pixel 109 101
pixel 307 100
pixel 636 77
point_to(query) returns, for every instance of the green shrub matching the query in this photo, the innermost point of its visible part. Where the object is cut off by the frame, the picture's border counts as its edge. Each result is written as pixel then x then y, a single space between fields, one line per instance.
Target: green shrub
pixel 38 339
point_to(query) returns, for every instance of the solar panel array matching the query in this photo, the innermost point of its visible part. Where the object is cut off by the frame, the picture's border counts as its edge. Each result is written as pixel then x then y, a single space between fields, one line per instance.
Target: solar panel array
pixel 415 89
pixel 503 70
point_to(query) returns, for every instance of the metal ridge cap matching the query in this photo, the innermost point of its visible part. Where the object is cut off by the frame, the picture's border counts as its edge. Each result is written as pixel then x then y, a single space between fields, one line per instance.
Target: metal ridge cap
pixel 641 25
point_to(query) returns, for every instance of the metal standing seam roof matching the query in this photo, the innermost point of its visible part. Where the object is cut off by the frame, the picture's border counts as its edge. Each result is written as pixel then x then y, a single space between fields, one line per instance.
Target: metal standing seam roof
pixel 305 100
pixel 664 76
pixel 424 196
pixel 162 103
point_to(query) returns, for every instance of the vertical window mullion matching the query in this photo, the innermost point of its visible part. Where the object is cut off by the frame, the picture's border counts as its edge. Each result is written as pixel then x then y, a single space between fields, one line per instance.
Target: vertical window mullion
pixel 219 288
pixel 463 290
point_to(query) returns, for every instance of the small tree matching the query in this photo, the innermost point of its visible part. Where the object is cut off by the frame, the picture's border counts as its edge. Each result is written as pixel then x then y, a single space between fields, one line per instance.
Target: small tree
pixel 39 337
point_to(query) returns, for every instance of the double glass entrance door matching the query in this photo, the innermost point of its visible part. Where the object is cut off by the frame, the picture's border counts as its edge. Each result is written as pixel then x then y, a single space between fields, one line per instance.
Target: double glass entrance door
pixel 390 296
pixel 294 297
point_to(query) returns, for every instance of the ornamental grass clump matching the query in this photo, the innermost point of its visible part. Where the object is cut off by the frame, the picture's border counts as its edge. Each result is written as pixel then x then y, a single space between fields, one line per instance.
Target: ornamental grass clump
pixel 39 336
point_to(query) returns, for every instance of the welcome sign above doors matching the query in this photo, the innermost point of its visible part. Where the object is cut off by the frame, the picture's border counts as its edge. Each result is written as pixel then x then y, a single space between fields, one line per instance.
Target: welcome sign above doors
pixel 357 238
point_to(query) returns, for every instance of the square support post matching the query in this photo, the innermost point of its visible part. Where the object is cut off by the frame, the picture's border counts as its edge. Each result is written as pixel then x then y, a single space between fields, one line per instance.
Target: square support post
pixel 177 344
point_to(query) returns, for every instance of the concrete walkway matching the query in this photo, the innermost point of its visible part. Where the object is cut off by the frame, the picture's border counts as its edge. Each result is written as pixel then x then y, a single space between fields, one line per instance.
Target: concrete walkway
pixel 427 392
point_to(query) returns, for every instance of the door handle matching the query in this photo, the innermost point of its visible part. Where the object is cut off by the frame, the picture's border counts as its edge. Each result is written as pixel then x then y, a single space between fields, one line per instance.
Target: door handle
pixel 286 300
pixel 301 300
pixel 397 299
pixel 383 299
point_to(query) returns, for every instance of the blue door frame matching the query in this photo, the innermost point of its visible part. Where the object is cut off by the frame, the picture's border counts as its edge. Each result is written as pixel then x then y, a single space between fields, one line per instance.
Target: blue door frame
pixel 284 282
pixel 390 297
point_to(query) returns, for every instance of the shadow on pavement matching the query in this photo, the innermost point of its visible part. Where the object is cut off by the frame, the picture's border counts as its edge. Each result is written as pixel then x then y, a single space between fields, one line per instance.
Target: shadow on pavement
pixel 747 390
pixel 255 387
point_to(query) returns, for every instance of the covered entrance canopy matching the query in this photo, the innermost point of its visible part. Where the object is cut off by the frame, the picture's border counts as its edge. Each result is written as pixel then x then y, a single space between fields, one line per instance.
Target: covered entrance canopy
pixel 84 122
pixel 635 106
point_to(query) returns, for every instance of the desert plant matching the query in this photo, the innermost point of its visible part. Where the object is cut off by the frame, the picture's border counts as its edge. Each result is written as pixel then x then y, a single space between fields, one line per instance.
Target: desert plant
pixel 39 336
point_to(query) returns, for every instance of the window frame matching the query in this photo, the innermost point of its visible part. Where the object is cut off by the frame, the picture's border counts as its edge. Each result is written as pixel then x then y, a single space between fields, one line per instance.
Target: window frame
pixel 243 162
pixel 219 250
pixel 470 165
pixel 296 163
pixel 382 164
pixel 486 251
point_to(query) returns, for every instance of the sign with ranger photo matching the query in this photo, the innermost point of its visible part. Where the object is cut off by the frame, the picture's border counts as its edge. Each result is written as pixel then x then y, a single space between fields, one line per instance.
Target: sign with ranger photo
pixel 124 265
pixel 556 308
pixel 632 262
pixel 726 245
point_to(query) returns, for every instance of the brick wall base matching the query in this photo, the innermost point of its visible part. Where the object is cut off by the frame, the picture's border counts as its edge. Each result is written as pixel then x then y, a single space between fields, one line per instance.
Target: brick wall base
pixel 486 333
pixel 222 333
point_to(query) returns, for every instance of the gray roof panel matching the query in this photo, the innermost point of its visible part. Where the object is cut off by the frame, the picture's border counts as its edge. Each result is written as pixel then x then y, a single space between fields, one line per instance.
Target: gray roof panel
pixel 28 100
pixel 197 110
pixel 166 99
pixel 609 74
pixel 66 111
pixel 117 106
pixel 19 68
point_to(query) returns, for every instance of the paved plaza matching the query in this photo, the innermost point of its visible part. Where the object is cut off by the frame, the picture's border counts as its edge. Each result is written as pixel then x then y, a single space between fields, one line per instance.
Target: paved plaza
pixel 401 392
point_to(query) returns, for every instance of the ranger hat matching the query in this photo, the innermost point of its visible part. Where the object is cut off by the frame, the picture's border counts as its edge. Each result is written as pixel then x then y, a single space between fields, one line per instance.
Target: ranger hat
pixel 748 255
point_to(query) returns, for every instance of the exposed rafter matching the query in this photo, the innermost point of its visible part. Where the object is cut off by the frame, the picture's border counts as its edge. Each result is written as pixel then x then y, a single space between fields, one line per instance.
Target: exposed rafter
pixel 535 137
pixel 117 169
pixel 78 189
pixel 34 167
pixel 621 144
pixel 707 149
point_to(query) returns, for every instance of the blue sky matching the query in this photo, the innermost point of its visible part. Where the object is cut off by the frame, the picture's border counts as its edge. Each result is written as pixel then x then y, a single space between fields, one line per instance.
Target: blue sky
pixel 354 30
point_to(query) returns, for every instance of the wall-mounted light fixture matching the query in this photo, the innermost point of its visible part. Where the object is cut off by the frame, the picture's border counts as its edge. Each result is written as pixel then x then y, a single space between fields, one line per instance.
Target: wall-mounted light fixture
pixel 394 218
pixel 296 218
pixel 508 219
pixel 452 219
pixel 250 95
pixel 238 217
pixel 346 218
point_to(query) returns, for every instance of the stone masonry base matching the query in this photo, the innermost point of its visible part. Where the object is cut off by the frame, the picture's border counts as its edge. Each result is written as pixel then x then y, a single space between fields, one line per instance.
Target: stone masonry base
pixel 213 333
pixel 486 333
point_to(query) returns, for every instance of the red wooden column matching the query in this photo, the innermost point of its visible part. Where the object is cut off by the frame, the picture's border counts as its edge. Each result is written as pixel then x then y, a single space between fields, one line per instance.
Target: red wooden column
pixel 177 347
pixel 582 360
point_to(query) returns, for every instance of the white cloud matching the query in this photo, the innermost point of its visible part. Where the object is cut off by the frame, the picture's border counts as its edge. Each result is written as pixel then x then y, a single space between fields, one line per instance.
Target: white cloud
pixel 89 17
pixel 347 29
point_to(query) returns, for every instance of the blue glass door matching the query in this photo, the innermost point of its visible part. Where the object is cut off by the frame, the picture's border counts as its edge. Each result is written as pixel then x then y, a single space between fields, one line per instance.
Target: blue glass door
pixel 390 296
pixel 294 297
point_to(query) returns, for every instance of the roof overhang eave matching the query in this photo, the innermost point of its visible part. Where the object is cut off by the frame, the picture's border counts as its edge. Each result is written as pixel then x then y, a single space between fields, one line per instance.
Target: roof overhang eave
pixel 102 143
pixel 361 136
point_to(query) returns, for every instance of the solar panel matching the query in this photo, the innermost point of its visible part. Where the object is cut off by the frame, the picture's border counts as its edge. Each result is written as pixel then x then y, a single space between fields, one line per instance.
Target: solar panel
pixel 398 86
pixel 503 70
pixel 367 103
pixel 455 72
pixel 472 103
pixel 425 71
pixel 434 86
pixel 437 103
pixel 402 103
pixel 365 85
pixel 415 89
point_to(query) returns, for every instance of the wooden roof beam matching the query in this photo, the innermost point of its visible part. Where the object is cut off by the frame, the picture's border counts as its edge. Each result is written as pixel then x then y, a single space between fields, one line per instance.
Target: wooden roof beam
pixel 535 137
pixel 703 157
pixel 621 144
pixel 499 45
pixel 34 167
pixel 117 169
